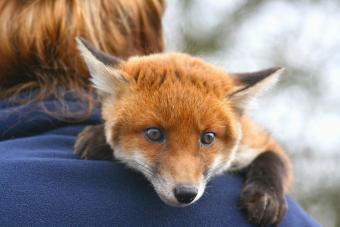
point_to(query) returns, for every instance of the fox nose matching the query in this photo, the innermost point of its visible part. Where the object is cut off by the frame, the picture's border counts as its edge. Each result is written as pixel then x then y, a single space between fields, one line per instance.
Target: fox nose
pixel 185 193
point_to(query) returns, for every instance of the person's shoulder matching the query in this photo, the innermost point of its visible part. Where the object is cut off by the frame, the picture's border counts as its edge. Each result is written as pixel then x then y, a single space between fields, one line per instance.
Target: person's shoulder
pixel 21 120
pixel 47 183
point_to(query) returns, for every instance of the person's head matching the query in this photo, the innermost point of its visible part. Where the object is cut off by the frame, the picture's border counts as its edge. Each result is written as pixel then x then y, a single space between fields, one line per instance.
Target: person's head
pixel 38 48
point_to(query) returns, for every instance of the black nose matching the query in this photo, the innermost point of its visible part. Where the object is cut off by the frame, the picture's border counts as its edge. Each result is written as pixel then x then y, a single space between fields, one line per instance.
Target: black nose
pixel 185 193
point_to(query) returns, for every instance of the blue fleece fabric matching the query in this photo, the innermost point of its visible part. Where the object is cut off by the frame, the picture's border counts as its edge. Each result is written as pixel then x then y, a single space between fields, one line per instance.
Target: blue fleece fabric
pixel 42 183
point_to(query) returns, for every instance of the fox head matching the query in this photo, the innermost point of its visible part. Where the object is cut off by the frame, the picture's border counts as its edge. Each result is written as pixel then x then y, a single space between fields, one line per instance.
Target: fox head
pixel 173 117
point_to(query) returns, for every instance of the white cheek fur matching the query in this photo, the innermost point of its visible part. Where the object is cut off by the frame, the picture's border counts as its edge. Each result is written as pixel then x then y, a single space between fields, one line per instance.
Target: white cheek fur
pixel 135 160
pixel 221 164
pixel 240 157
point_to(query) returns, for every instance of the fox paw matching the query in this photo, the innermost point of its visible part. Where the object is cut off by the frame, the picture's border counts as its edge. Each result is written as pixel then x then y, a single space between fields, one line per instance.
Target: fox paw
pixel 263 206
pixel 91 144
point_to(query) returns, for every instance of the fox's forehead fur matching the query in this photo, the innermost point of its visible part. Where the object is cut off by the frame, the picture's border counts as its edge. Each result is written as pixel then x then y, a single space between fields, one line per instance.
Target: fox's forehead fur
pixel 177 70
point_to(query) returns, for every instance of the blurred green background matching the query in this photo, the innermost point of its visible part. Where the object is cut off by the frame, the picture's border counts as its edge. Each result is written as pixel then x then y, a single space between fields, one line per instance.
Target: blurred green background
pixel 303 111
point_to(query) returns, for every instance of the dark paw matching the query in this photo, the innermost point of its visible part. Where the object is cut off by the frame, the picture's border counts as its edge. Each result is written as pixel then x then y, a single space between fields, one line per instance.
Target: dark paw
pixel 91 144
pixel 263 206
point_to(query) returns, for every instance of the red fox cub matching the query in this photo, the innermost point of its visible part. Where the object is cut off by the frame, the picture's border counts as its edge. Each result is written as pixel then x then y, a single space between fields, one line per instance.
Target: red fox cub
pixel 181 121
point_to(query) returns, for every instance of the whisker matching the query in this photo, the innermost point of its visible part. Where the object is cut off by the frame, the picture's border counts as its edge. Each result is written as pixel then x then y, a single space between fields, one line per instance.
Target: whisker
pixel 146 169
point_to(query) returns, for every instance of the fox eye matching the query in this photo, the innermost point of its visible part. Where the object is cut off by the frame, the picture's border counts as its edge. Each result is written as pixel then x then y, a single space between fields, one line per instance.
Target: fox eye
pixel 154 135
pixel 207 138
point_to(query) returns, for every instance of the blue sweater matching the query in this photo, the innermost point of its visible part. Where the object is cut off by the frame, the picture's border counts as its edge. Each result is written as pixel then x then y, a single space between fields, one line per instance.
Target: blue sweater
pixel 42 183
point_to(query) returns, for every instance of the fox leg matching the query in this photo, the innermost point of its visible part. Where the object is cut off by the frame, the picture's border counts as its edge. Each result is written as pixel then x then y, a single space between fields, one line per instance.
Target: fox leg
pixel 263 193
pixel 91 144
pixel 268 176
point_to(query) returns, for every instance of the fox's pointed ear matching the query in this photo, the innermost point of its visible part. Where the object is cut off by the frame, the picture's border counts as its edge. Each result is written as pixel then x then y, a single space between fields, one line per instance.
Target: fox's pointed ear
pixel 250 85
pixel 102 66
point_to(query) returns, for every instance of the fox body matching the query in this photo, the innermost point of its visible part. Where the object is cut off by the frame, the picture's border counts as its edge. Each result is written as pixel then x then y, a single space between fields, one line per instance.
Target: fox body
pixel 180 121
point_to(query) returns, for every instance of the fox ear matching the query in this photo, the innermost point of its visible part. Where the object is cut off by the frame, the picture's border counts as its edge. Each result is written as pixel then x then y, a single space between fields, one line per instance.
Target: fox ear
pixel 102 66
pixel 251 85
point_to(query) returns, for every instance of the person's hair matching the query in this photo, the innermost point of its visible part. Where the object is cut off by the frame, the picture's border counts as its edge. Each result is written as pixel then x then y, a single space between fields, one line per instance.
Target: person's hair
pixel 37 41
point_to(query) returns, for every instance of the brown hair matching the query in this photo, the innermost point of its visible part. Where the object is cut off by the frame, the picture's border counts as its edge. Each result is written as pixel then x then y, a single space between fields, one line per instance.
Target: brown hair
pixel 37 40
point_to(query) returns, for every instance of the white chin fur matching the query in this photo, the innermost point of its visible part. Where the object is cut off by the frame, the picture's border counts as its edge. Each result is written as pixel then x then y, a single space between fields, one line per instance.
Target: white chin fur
pixel 165 190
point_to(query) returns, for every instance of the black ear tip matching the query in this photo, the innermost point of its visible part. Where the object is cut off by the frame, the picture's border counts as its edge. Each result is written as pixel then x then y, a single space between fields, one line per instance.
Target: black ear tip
pixel 80 39
pixel 277 69
pixel 83 41
pixel 269 71
pixel 105 58
pixel 252 78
